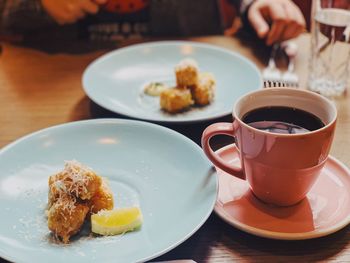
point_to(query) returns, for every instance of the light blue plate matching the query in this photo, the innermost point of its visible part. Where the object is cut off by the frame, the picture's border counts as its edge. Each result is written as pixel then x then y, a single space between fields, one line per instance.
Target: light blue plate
pixel 163 172
pixel 116 80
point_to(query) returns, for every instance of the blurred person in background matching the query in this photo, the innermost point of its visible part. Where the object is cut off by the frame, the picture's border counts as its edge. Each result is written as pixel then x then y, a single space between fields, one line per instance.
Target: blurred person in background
pixel 113 21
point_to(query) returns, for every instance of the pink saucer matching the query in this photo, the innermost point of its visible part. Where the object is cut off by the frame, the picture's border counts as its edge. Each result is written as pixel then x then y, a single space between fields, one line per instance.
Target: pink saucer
pixel 325 210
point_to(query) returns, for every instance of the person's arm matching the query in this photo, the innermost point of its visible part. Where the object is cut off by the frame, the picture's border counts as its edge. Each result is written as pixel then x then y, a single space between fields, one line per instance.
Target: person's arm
pixel 272 20
pixel 70 11
pixel 21 16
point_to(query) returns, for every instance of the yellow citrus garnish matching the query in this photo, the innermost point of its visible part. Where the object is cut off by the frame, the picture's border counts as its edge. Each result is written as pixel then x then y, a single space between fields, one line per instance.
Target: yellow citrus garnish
pixel 117 221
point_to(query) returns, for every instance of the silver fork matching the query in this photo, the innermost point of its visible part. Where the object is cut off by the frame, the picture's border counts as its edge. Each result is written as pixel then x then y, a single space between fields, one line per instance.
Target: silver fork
pixel 273 77
pixel 290 77
pixel 271 74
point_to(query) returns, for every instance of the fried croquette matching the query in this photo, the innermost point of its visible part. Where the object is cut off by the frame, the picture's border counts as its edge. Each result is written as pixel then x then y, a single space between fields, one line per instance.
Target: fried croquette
pixel 203 92
pixel 76 179
pixel 103 198
pixel 66 216
pixel 175 99
pixel 186 73
pixel 74 192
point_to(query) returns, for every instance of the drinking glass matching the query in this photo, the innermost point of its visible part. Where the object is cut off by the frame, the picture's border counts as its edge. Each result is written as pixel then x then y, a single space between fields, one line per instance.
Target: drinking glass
pixel 330 47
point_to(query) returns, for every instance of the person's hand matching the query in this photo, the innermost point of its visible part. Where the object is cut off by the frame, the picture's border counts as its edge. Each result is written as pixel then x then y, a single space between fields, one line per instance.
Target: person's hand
pixel 70 11
pixel 276 20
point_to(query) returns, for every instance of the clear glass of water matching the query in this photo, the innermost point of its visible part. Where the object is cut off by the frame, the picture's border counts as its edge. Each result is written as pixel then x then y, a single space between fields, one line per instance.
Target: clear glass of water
pixel 330 47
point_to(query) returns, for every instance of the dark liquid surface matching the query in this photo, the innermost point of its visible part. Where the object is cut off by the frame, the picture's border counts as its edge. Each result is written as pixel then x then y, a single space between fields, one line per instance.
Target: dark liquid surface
pixel 284 120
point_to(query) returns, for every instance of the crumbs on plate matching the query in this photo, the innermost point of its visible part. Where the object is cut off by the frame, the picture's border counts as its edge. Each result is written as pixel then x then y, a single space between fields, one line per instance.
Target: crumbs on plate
pixel 192 88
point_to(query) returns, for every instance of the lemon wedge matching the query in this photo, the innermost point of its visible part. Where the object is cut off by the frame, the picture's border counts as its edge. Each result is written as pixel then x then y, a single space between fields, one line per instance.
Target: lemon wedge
pixel 117 221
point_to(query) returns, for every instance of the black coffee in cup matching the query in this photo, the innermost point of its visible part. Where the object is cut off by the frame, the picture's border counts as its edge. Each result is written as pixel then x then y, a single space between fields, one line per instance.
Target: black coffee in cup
pixel 280 119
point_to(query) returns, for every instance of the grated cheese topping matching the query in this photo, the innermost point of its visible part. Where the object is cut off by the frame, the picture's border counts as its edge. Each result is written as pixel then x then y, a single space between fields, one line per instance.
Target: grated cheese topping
pixel 63 206
pixel 74 179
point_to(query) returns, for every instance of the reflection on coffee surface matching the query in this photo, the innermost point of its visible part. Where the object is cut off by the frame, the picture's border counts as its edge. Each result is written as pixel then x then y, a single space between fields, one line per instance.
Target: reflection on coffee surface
pixel 285 120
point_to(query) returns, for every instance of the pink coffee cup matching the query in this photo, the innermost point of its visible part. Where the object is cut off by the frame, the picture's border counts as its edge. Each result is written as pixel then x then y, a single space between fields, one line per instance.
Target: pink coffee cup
pixel 280 168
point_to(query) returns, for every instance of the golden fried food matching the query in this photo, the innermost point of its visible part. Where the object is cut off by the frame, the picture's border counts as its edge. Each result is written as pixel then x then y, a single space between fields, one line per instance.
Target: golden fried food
pixel 175 100
pixel 66 216
pixel 103 198
pixel 186 73
pixel 75 179
pixel 203 92
pixel 74 192
pixel 192 87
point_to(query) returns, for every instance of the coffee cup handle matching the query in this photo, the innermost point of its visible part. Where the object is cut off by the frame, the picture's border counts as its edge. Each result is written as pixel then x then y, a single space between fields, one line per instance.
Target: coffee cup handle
pixel 223 128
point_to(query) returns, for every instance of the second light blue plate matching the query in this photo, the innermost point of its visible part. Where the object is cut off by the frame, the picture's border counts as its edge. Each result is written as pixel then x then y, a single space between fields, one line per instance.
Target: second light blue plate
pixel 116 80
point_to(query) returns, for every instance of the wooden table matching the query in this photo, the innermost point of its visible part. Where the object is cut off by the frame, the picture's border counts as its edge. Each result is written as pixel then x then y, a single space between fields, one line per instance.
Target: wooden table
pixel 38 90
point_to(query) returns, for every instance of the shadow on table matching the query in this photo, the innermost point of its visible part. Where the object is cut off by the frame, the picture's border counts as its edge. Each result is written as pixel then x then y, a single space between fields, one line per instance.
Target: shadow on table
pixel 318 249
pixel 81 109
pixel 232 244
pixel 190 130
